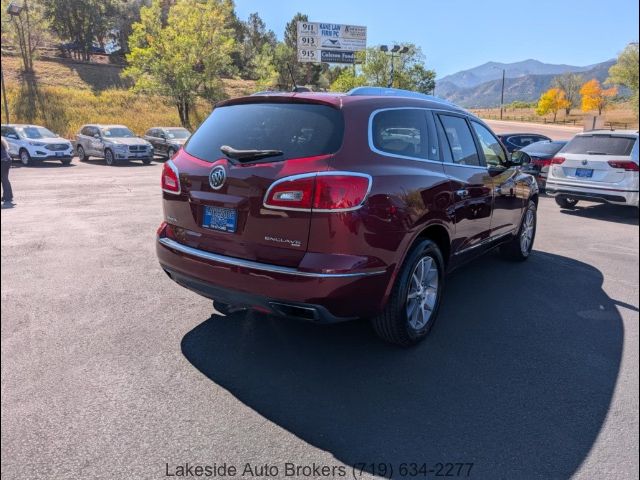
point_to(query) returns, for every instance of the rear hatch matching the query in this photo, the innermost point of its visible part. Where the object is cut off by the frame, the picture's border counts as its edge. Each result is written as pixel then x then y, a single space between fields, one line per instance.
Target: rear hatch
pixel 595 158
pixel 251 144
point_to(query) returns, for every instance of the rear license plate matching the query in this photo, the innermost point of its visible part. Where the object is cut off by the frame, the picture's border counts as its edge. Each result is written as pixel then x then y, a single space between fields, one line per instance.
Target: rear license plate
pixel 219 218
pixel 584 172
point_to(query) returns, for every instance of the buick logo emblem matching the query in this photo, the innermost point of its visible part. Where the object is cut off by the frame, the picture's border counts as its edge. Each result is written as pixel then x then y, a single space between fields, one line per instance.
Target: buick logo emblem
pixel 217 177
pixel 584 162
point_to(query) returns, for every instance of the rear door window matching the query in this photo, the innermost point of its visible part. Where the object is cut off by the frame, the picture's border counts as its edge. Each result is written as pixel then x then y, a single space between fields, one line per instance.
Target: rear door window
pixel 460 141
pixel 600 145
pixel 297 129
pixel 401 132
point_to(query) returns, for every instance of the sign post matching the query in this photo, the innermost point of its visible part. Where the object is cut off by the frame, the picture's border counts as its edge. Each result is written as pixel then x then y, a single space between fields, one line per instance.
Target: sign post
pixel 330 42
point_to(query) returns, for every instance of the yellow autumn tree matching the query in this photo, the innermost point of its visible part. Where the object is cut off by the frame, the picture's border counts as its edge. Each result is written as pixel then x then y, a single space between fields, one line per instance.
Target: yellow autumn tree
pixel 594 97
pixel 552 101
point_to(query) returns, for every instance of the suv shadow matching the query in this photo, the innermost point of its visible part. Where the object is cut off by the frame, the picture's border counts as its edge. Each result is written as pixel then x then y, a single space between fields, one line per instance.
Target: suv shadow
pixel 510 379
pixel 604 211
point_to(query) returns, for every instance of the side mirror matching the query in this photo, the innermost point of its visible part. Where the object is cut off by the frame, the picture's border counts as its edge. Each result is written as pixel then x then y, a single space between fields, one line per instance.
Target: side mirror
pixel 163 136
pixel 96 135
pixel 516 158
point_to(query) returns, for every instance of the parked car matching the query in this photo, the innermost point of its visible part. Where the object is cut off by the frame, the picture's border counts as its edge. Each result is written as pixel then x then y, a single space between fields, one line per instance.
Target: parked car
pixel 302 205
pixel 33 143
pixel 598 166
pixel 517 141
pixel 114 143
pixel 536 158
pixel 167 141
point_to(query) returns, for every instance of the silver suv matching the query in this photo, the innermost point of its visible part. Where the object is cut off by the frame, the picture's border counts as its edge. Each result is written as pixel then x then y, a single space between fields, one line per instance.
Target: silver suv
pixel 114 143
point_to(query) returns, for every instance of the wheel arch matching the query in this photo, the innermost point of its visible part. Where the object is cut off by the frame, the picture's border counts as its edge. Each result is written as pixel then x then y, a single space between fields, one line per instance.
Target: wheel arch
pixel 434 231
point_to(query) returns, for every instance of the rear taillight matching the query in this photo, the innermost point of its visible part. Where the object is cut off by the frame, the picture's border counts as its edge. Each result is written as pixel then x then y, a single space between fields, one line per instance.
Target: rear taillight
pixel 292 192
pixel 166 230
pixel 557 160
pixel 170 178
pixel 626 165
pixel 322 191
pixel 340 192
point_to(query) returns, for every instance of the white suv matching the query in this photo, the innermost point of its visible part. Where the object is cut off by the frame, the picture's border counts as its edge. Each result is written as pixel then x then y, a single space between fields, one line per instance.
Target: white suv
pixel 33 143
pixel 598 166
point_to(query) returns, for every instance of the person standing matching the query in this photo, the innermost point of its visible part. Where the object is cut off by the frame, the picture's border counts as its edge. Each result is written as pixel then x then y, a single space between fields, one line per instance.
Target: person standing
pixel 5 161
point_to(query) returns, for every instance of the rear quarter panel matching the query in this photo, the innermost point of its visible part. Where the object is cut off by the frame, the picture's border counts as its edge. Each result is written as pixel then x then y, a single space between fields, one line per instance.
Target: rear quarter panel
pixel 406 197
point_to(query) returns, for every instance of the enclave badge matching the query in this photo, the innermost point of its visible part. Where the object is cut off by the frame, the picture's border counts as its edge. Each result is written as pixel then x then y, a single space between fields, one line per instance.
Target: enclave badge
pixel 217 177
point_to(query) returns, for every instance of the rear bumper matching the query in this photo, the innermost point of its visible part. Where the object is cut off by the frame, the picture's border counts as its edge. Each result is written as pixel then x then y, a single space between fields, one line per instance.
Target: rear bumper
pixel 606 195
pixel 316 296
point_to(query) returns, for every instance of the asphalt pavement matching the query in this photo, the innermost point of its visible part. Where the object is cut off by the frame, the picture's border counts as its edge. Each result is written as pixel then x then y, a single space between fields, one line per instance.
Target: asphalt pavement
pixel 110 370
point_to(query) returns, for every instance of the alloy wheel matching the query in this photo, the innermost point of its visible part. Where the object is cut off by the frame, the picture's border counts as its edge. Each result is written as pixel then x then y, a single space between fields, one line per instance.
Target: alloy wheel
pixel 423 293
pixel 526 236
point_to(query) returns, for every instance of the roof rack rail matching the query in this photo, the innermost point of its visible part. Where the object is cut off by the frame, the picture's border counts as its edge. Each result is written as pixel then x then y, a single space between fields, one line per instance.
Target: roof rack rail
pixel 397 92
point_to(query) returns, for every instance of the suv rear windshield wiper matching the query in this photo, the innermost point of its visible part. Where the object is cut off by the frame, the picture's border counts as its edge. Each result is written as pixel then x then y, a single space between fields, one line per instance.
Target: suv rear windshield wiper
pixel 248 155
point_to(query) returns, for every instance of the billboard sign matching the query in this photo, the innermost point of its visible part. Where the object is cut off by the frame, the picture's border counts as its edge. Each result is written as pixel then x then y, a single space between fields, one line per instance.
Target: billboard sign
pixel 330 42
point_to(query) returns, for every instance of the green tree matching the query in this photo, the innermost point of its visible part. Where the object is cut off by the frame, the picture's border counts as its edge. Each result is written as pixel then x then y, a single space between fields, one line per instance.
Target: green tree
pixel 28 30
pixel 570 84
pixel 184 57
pixel 409 71
pixel 625 72
pixel 81 21
pixel 255 38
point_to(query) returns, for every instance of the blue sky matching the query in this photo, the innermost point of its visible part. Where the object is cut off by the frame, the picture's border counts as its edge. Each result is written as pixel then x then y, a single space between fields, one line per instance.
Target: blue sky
pixel 460 34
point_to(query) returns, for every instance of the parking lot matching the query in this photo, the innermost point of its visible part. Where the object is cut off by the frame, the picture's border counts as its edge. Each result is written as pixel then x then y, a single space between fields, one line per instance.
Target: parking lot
pixel 110 370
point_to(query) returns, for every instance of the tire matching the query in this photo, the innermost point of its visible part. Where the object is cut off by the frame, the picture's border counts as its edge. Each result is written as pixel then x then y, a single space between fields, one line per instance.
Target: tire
pixel 396 324
pixel 226 309
pixel 82 156
pixel 66 162
pixel 520 247
pixel 566 202
pixel 146 161
pixel 109 158
pixel 170 153
pixel 25 158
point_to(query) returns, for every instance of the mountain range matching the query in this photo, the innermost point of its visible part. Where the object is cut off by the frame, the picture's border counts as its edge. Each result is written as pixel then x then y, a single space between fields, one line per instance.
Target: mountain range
pixel 480 87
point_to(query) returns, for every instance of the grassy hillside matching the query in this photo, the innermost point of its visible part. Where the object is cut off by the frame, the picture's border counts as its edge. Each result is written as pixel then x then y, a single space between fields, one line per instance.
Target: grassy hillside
pixel 63 95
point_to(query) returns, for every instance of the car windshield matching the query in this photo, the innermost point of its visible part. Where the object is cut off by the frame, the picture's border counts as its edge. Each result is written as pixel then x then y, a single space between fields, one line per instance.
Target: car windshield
pixel 119 132
pixel 600 145
pixel 36 132
pixel 178 133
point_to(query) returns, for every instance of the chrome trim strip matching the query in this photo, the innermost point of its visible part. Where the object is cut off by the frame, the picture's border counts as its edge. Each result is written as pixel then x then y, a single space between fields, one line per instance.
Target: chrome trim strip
pixel 318 174
pixel 484 242
pixel 237 262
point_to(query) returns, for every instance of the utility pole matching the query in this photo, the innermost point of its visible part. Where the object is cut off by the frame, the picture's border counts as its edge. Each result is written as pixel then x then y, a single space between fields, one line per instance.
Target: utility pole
pixel 502 94
pixel 4 96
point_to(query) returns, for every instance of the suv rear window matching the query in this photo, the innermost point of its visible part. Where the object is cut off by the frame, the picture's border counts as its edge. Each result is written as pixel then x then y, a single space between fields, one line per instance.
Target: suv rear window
pixel 298 130
pixel 600 145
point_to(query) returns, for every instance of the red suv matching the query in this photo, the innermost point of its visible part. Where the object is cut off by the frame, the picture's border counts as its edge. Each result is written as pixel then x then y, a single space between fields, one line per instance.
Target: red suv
pixel 333 207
